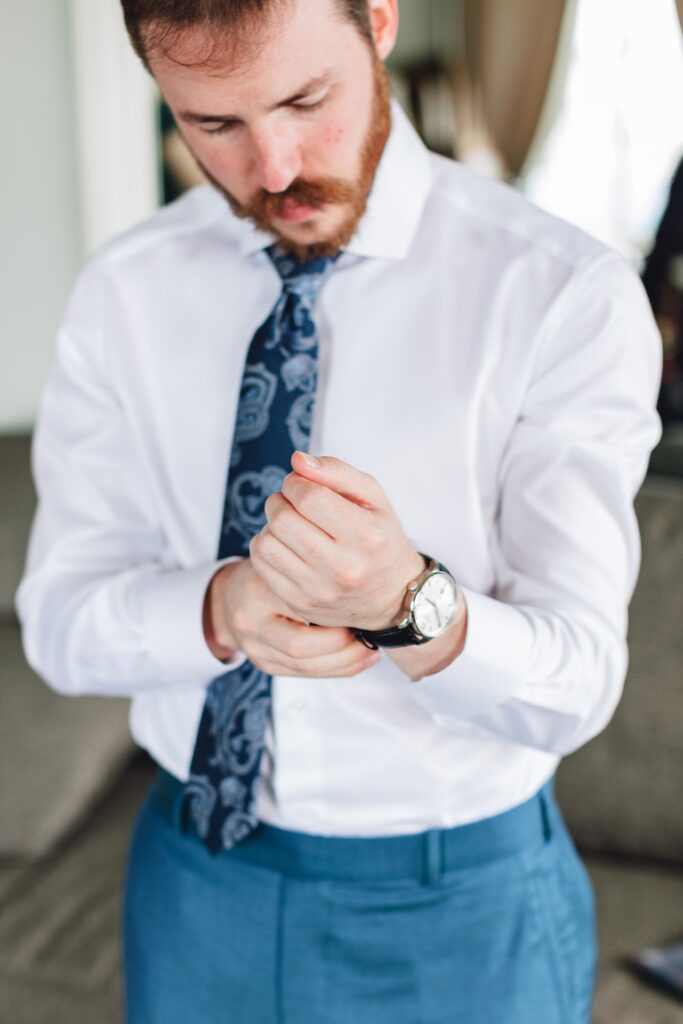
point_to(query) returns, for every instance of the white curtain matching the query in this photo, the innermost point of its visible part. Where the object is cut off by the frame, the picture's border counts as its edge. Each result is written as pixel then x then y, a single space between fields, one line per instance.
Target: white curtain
pixel 510 52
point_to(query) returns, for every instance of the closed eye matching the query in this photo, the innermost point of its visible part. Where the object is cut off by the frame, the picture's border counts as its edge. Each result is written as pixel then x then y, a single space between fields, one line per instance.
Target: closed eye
pixel 219 129
pixel 310 105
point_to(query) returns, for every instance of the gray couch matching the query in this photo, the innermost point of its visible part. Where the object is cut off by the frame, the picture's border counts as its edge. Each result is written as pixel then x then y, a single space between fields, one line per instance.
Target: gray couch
pixel 72 782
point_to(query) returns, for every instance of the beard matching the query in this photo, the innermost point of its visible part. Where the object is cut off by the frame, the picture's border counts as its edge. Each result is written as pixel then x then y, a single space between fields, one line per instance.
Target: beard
pixel 264 206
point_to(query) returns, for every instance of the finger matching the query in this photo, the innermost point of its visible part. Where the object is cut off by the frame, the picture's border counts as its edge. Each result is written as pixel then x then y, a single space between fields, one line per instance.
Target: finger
pixel 333 515
pixel 270 602
pixel 348 662
pixel 280 569
pixel 297 527
pixel 300 642
pixel 351 483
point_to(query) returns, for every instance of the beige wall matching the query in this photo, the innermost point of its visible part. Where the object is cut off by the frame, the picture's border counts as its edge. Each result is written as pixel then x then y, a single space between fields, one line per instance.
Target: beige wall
pixel 40 229
pixel 428 26
pixel 56 200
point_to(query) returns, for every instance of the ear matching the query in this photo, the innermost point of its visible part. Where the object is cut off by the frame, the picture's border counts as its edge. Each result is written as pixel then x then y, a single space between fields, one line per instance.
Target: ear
pixel 384 25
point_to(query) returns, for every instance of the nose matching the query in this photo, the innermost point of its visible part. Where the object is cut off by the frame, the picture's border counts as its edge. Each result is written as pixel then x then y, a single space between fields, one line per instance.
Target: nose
pixel 277 160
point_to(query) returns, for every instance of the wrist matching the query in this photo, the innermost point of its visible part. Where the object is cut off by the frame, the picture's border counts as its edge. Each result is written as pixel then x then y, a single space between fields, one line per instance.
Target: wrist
pixel 217 633
pixel 429 610
pixel 414 566
pixel 430 658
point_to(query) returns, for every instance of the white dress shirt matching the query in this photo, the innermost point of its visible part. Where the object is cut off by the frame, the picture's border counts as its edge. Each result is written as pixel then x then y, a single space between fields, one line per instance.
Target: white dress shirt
pixel 493 367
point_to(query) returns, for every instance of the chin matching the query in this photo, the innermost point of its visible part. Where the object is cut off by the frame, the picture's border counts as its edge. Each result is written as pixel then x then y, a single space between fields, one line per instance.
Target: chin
pixel 314 239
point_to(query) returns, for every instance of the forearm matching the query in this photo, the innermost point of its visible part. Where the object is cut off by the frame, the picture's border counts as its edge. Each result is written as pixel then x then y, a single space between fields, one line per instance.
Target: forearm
pixel 117 634
pixel 529 675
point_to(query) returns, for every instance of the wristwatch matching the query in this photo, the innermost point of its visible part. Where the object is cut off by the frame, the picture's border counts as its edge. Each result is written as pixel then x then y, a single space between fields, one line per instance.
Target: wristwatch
pixel 429 608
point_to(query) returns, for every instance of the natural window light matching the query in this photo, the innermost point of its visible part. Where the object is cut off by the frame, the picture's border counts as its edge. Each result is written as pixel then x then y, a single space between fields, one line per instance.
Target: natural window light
pixel 608 160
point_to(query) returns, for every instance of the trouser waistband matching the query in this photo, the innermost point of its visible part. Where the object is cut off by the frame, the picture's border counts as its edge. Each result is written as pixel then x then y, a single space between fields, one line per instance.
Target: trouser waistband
pixel 421 856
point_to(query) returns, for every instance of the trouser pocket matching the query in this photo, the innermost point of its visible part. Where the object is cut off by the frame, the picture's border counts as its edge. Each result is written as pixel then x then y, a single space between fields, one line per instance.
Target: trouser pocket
pixel 564 903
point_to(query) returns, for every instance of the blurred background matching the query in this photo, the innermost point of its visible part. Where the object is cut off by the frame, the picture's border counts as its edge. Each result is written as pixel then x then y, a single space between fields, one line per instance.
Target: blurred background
pixel 576 103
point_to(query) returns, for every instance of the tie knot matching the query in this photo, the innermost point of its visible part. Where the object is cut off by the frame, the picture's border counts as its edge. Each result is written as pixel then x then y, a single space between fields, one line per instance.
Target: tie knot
pixel 302 277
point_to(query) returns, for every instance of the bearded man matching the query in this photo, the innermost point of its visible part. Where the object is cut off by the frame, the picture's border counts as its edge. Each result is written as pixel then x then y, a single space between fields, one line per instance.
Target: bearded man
pixel 336 468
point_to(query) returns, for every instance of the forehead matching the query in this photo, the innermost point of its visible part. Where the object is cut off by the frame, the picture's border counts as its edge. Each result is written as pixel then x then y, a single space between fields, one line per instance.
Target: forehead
pixel 297 40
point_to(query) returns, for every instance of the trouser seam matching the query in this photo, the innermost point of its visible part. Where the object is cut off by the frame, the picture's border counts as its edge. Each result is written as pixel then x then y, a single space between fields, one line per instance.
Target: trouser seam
pixel 280 954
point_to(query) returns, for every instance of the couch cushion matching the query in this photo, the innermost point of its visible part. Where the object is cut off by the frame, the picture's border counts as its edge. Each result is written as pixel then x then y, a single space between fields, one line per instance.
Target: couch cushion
pixel 638 905
pixel 17 502
pixel 622 792
pixel 60 919
pixel 57 754
pixel 667 457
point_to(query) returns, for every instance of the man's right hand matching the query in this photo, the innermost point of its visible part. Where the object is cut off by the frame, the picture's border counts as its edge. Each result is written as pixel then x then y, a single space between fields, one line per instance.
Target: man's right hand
pixel 242 614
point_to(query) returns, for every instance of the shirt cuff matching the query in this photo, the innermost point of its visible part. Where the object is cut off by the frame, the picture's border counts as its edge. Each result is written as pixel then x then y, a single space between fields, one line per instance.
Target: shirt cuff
pixel 490 667
pixel 172 603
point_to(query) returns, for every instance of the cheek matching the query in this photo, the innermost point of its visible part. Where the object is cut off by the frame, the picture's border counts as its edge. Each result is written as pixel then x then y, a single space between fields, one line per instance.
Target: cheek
pixel 334 134
pixel 338 147
pixel 228 167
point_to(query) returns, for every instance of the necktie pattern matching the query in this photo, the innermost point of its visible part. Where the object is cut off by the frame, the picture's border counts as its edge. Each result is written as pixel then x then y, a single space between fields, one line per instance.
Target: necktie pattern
pixel 274 416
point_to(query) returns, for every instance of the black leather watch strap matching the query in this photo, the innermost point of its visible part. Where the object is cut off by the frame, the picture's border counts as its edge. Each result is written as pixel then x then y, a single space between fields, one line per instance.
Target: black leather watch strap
pixel 394 636
pixel 398 636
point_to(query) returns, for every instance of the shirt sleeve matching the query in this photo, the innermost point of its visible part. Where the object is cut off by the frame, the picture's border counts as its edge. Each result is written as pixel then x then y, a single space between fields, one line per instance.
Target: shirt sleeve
pixel 545 655
pixel 105 607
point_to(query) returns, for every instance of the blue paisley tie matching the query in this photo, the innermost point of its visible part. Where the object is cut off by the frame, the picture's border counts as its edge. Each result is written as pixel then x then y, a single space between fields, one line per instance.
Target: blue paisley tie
pixel 273 419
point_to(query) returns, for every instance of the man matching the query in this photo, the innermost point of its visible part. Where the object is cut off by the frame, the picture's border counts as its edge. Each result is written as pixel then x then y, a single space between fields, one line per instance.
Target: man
pixel 354 820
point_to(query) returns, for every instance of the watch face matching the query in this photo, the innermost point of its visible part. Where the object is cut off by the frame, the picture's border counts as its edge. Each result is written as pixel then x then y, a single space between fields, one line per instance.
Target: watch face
pixel 435 604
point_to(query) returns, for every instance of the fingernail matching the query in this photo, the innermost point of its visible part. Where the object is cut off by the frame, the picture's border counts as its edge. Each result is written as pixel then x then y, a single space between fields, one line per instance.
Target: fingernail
pixel 310 460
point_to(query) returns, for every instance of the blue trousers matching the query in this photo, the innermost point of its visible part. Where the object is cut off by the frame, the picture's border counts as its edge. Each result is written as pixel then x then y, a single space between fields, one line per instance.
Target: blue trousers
pixel 489 923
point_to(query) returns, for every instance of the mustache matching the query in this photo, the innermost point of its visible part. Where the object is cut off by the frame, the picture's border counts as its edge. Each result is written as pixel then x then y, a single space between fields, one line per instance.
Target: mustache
pixel 266 205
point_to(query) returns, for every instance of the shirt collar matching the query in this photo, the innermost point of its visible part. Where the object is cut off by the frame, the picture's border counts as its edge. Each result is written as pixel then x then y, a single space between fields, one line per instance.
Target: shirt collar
pixel 395 204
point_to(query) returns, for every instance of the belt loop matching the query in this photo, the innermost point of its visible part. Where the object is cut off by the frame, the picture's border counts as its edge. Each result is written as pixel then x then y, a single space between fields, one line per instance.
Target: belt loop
pixel 546 813
pixel 433 857
pixel 180 812
pixel 173 799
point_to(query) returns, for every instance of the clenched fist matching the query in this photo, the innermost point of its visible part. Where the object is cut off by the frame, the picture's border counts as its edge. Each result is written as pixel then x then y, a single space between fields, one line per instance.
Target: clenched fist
pixel 333 549
pixel 243 614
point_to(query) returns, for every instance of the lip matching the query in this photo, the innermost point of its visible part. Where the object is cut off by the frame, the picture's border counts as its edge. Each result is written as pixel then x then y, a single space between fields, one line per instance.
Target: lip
pixel 294 212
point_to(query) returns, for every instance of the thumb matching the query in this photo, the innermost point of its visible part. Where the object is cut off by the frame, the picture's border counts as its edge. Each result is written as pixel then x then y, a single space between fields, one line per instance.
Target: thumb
pixel 349 482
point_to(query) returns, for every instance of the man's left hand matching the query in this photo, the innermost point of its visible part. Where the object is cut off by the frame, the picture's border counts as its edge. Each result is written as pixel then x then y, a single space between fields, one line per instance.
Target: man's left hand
pixel 333 548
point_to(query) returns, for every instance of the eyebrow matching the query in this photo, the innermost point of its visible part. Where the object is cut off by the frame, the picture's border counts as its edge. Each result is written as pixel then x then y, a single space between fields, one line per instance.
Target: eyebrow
pixel 311 86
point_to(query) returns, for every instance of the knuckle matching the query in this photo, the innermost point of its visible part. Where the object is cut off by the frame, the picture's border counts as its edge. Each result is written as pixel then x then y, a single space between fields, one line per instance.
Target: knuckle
pixel 327 598
pixel 266 545
pixel 299 492
pixel 307 502
pixel 289 482
pixel 351 575
pixel 374 484
pixel 373 539
pixel 294 648
pixel 369 481
pixel 255 547
pixel 241 621
pixel 276 514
